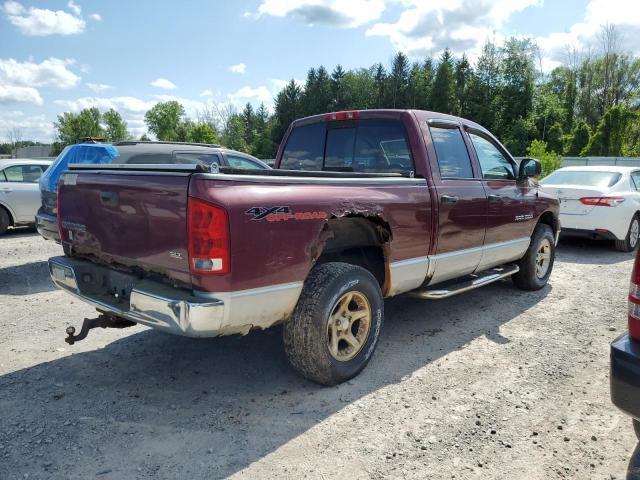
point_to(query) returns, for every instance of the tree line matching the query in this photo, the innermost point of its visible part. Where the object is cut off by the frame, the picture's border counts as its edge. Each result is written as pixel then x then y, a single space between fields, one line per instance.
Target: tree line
pixel 587 106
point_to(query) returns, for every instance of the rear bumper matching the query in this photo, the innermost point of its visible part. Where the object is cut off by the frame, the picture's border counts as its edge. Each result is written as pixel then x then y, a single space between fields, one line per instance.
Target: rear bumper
pixel 610 220
pixel 47 226
pixel 174 310
pixel 625 375
pixel 591 234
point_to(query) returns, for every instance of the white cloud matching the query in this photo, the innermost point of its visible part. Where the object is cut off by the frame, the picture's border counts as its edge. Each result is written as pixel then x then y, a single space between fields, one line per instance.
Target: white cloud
pixel 339 13
pixel 238 68
pixel 35 127
pixel 74 8
pixel 206 93
pixel 124 103
pixel 163 83
pixel 19 81
pixel 99 87
pixel 41 22
pixel 623 14
pixel 14 94
pixel 261 94
pixel 95 16
pixel 426 28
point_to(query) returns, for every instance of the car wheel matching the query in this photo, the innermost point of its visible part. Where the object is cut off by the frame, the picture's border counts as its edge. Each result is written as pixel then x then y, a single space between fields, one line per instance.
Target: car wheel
pixel 630 242
pixel 335 326
pixel 636 427
pixel 537 263
pixel 5 221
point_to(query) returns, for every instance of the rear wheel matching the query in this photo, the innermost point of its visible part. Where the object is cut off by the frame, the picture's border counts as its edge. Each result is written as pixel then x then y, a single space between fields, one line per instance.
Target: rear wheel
pixel 636 427
pixel 336 324
pixel 5 221
pixel 630 242
pixel 537 263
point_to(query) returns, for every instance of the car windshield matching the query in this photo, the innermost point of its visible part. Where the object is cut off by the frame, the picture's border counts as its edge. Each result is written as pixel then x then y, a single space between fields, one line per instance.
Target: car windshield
pixel 584 178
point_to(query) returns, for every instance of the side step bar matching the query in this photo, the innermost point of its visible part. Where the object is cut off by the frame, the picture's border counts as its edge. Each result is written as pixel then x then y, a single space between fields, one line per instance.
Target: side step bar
pixel 476 281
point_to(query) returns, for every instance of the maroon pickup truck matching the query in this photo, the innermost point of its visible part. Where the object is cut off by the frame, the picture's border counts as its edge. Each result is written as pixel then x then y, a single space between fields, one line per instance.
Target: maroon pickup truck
pixel 362 205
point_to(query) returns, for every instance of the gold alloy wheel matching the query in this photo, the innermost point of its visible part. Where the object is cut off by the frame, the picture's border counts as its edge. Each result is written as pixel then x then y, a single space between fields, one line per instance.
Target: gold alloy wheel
pixel 348 326
pixel 543 258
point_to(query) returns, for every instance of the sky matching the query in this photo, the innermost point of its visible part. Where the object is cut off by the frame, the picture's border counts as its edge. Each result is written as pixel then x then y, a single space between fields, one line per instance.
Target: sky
pixel 65 55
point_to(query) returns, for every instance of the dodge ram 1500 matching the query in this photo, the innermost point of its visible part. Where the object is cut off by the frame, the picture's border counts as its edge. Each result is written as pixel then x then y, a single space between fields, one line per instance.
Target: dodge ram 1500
pixel 362 205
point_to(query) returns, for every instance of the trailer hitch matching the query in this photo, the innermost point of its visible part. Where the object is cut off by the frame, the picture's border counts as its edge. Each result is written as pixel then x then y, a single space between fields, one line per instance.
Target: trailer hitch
pixel 102 321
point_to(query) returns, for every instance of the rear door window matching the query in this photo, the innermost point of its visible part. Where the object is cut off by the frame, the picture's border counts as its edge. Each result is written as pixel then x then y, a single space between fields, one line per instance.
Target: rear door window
pixel 451 152
pixel 635 180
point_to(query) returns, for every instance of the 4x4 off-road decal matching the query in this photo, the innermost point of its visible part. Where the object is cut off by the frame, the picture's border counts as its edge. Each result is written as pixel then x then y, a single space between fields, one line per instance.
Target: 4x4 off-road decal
pixel 282 213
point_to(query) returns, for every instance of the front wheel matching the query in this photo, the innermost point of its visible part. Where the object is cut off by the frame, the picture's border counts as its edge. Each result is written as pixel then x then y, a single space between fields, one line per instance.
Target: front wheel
pixel 630 242
pixel 537 263
pixel 335 326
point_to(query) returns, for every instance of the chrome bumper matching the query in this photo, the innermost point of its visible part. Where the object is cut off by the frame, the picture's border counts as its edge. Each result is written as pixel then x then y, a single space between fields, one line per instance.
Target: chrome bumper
pixel 149 303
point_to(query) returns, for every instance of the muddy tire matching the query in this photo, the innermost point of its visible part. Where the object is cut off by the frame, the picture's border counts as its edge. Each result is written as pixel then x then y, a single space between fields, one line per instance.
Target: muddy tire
pixel 5 221
pixel 335 326
pixel 537 263
pixel 636 428
pixel 630 242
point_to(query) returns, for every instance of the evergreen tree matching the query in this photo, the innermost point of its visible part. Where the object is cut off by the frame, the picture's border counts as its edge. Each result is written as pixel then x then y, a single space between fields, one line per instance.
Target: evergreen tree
pixel 287 108
pixel 337 89
pixel 443 93
pixel 397 82
pixel 380 82
pixel 462 74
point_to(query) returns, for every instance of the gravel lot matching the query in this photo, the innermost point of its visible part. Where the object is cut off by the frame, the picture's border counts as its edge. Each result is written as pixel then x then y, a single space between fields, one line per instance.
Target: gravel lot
pixel 496 383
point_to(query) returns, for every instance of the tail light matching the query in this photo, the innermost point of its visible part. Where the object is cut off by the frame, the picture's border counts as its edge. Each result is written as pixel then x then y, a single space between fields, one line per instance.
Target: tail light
pixel 59 217
pixel 602 201
pixel 208 235
pixel 338 116
pixel 634 300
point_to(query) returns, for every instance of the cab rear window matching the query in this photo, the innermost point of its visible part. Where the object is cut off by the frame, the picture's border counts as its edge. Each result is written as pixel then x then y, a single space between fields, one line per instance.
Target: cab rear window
pixel 369 146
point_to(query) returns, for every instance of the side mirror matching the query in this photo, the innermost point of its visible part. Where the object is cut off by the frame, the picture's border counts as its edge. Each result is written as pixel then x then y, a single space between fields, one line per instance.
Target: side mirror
pixel 529 167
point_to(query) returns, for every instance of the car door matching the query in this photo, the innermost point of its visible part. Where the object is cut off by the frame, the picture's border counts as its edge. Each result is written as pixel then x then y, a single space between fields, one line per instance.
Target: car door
pixel 511 204
pixel 20 190
pixel 462 203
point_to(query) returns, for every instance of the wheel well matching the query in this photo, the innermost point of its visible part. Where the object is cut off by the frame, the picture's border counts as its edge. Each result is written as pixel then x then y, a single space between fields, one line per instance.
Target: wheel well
pixel 549 219
pixel 359 241
pixel 11 220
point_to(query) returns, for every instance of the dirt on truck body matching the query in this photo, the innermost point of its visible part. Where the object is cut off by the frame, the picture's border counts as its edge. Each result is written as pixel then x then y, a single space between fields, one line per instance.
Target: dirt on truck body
pixel 362 206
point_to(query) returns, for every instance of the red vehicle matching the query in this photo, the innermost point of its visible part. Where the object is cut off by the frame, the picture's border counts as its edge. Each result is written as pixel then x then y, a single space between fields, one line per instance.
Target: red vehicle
pixel 362 205
pixel 625 357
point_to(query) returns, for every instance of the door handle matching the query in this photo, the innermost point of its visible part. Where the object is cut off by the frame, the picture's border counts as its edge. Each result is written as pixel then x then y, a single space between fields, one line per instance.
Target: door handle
pixel 6 189
pixel 449 199
pixel 495 198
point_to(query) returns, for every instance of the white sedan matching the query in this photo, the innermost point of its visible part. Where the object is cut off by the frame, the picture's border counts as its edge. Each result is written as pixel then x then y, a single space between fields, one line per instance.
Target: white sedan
pixel 19 191
pixel 598 202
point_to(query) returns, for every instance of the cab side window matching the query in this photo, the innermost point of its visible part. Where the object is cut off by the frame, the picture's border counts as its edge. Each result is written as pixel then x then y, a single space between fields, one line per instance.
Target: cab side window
pixel 494 165
pixel 451 152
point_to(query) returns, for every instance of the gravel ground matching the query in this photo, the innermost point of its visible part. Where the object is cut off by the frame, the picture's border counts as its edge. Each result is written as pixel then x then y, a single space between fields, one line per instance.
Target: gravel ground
pixel 495 383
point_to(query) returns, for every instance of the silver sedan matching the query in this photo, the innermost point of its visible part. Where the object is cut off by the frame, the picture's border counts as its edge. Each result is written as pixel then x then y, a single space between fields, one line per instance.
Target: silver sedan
pixel 19 191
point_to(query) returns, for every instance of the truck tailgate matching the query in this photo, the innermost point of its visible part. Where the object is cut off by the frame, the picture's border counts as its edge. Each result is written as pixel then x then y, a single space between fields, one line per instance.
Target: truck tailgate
pixel 133 220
